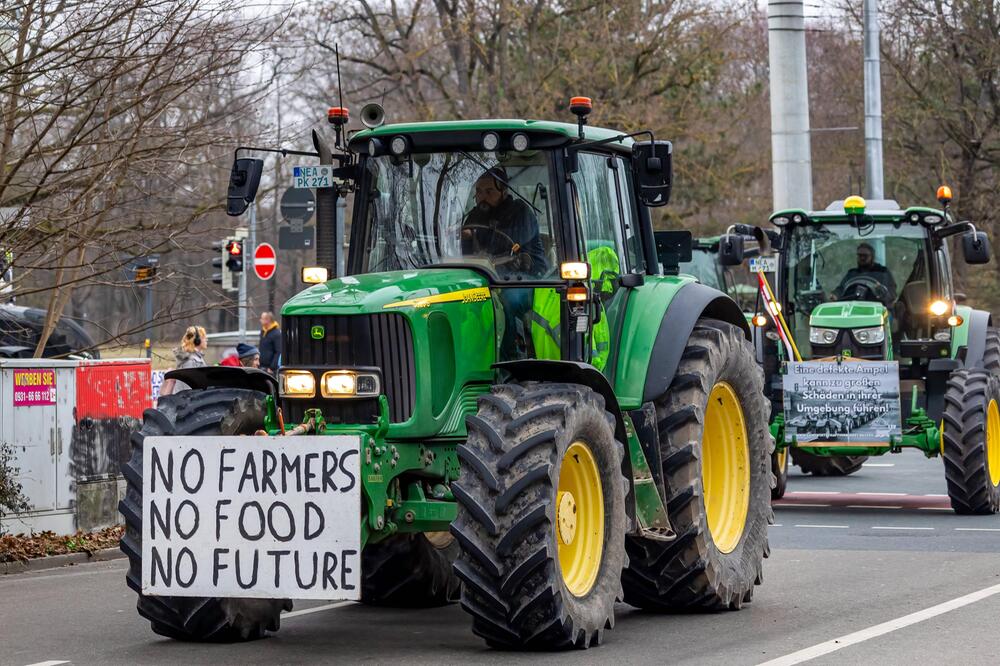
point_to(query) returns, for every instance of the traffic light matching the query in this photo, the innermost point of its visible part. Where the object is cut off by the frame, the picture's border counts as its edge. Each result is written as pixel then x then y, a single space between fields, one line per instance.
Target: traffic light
pixel 224 277
pixel 234 253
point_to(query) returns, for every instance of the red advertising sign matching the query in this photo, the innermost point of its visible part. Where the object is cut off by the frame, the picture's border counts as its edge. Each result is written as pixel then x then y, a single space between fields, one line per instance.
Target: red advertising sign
pixel 34 387
pixel 265 261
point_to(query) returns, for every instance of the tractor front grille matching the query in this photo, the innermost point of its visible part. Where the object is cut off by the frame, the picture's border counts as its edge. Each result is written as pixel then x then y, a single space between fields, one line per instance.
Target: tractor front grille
pixel 384 341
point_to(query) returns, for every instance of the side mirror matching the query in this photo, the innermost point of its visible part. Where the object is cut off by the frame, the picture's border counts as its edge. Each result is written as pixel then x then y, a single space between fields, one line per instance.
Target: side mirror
pixel 652 162
pixel 976 247
pixel 731 250
pixel 672 249
pixel 243 182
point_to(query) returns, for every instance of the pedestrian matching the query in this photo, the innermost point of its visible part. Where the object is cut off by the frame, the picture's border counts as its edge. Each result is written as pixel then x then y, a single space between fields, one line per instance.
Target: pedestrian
pixel 230 358
pixel 270 343
pixel 189 354
pixel 249 355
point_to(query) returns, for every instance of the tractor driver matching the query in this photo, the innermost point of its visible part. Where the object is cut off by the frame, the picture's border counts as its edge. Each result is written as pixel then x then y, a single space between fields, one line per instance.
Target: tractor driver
pixel 869 268
pixel 505 228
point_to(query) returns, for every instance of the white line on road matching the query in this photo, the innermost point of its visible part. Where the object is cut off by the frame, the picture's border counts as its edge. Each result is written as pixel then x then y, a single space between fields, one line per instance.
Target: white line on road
pixel 934 508
pixel 878 464
pixel 930 495
pixel 830 527
pixel 898 527
pixel 871 506
pixel 317 609
pixel 883 494
pixel 976 529
pixel 49 663
pixel 881 629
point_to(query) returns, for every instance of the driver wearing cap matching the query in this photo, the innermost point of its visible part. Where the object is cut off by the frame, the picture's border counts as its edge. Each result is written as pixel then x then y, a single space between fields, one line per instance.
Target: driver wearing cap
pixel 503 225
pixel 868 267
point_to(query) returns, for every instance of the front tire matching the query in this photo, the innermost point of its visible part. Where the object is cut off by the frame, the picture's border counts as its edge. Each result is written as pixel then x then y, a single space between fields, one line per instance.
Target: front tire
pixel 970 442
pixel 716 454
pixel 826 465
pixel 410 571
pixel 204 413
pixel 541 517
pixel 779 467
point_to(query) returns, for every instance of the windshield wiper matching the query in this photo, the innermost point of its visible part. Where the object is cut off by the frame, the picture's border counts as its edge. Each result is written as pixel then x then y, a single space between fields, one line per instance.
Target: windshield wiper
pixel 505 182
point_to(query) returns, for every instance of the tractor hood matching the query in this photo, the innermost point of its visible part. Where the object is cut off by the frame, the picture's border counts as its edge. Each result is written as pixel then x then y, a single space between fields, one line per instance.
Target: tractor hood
pixel 390 291
pixel 848 314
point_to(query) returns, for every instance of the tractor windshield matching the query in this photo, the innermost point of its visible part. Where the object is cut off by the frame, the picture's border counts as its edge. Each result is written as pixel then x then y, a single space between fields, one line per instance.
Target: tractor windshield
pixel 484 209
pixel 704 266
pixel 881 263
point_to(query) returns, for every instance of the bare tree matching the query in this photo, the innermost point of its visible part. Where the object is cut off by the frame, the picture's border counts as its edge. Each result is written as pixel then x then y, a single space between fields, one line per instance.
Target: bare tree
pixel 116 122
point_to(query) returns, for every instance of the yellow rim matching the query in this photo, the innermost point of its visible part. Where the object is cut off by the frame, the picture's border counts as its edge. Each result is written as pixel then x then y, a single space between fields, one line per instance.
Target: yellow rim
pixel 579 519
pixel 782 460
pixel 725 467
pixel 993 442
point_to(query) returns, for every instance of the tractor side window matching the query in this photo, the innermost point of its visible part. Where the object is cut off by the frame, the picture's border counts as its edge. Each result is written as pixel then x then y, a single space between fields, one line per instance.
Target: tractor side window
pixel 626 214
pixel 597 212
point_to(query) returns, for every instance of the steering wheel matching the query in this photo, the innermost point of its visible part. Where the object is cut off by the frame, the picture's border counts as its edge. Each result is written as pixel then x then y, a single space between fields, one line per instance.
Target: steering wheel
pixel 498 259
pixel 861 285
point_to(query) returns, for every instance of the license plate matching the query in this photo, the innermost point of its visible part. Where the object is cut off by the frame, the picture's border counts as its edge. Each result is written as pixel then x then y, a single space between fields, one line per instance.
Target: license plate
pixel 312 177
pixel 765 264
pixel 262 517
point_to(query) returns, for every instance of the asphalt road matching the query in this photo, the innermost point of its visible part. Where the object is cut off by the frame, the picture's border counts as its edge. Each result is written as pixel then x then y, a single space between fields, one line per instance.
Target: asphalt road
pixel 869 569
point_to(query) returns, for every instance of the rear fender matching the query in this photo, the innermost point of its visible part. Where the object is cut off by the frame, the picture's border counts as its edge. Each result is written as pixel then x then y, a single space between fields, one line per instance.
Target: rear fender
pixel 973 330
pixel 692 302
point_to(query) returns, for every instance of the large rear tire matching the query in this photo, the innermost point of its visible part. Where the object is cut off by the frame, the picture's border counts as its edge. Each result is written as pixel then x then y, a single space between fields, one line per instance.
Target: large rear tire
pixel 970 442
pixel 541 517
pixel 716 454
pixel 204 413
pixel 827 465
pixel 991 353
pixel 410 571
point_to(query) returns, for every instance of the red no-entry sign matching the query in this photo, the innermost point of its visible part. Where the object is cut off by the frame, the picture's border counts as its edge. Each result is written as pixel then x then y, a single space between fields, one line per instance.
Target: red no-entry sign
pixel 265 261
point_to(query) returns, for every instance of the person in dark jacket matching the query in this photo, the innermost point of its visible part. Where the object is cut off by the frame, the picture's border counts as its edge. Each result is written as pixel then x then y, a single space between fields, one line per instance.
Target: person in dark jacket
pixel 270 343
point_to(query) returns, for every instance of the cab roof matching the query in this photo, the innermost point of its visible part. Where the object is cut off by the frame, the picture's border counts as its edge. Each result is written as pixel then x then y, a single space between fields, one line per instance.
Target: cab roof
pixel 567 132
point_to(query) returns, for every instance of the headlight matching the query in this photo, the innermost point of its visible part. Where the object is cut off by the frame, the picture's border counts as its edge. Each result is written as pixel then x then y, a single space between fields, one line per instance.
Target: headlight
pixel 349 384
pixel 297 383
pixel 939 308
pixel 822 336
pixel 869 336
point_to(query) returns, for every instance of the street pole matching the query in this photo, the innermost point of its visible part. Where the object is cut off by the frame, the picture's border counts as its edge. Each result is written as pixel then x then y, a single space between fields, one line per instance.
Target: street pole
pixel 247 267
pixel 149 319
pixel 791 155
pixel 874 188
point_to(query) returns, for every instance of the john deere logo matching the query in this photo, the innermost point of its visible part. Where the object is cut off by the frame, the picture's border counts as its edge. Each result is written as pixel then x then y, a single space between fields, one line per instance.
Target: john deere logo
pixel 317 332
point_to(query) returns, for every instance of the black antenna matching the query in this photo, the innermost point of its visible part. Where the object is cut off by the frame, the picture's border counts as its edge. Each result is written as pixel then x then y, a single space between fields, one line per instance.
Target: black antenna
pixel 340 88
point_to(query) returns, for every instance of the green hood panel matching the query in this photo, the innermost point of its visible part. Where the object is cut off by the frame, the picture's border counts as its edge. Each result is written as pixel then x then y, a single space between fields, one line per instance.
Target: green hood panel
pixel 393 290
pixel 848 314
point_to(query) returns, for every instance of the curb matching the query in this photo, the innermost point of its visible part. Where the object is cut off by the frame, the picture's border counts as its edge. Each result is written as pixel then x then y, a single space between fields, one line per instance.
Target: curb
pixel 55 561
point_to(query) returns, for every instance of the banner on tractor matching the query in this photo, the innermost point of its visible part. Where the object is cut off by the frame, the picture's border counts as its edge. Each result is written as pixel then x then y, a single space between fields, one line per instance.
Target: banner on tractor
pixel 265 517
pixel 846 403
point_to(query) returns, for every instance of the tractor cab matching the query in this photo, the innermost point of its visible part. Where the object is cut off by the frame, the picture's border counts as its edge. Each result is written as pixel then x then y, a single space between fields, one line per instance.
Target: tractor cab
pixel 871 281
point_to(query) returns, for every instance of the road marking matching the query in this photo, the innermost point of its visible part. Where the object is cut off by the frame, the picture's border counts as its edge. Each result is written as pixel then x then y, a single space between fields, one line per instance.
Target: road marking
pixel 930 495
pixel 881 629
pixel 317 609
pixel 883 494
pixel 49 663
pixel 871 506
pixel 878 464
pixel 934 508
pixel 801 504
pixel 830 527
pixel 976 529
pixel 898 527
pixel 777 525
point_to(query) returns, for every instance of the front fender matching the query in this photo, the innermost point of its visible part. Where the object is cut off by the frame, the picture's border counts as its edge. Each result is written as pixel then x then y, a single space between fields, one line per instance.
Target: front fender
pixel 220 376
pixel 972 336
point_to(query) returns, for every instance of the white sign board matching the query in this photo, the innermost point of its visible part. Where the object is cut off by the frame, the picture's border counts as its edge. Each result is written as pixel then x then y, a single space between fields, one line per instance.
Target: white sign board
pixel 765 264
pixel 265 517
pixel 852 402
pixel 311 177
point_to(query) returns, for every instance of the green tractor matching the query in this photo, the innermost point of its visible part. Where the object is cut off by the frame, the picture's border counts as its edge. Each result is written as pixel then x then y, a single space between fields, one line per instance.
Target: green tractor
pixel 509 397
pixel 867 348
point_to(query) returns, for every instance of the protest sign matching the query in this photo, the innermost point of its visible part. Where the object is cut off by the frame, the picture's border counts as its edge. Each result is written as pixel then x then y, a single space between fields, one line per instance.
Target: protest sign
pixel 264 517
